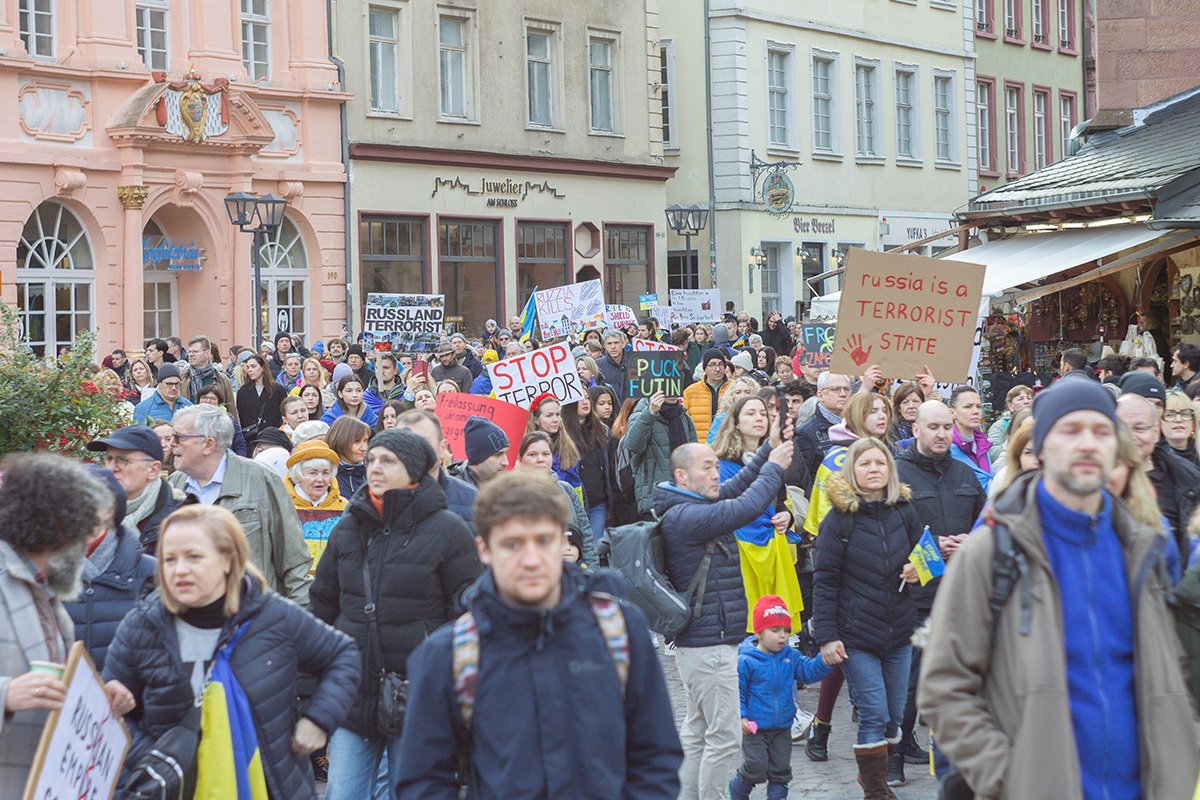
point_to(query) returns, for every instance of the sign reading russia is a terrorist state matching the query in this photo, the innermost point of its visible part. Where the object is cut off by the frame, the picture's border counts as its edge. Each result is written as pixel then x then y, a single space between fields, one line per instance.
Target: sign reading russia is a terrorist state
pixel 906 313
pixel 519 379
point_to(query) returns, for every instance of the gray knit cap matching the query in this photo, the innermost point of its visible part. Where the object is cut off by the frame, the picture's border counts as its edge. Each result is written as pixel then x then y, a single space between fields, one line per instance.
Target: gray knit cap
pixel 413 451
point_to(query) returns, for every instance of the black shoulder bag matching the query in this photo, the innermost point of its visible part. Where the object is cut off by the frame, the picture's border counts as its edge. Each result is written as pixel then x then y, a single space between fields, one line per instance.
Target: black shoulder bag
pixel 392 698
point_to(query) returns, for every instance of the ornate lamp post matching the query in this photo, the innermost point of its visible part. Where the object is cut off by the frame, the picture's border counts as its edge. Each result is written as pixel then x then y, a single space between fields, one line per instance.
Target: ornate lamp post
pixel 262 217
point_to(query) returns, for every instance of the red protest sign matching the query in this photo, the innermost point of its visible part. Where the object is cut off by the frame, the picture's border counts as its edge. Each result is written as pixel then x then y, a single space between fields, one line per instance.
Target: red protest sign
pixel 519 379
pixel 455 408
pixel 905 313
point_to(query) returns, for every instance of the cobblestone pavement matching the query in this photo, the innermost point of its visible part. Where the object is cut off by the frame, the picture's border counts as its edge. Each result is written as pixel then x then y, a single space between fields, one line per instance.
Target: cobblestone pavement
pixel 835 779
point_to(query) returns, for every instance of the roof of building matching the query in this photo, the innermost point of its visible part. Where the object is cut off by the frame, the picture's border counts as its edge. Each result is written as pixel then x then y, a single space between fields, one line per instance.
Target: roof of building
pixel 1129 163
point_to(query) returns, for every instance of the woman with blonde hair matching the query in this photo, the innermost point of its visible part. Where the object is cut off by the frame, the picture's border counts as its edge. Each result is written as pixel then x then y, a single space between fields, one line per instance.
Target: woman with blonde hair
pixel 1018 454
pixel 545 415
pixel 140 378
pixel 213 607
pixel 738 388
pixel 1179 426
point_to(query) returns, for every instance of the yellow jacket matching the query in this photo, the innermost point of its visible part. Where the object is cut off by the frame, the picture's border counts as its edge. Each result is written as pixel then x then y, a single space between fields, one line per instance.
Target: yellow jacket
pixel 697 402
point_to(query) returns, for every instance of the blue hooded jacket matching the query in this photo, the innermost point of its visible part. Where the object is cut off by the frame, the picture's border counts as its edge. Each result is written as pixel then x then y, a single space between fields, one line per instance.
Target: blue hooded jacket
pixel 548 716
pixel 766 680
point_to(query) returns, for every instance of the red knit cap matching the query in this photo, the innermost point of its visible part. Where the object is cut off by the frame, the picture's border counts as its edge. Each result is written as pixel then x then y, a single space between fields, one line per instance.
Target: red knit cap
pixel 771 612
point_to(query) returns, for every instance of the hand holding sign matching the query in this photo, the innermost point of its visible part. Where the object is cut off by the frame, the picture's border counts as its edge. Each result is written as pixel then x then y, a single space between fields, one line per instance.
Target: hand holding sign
pixel 854 349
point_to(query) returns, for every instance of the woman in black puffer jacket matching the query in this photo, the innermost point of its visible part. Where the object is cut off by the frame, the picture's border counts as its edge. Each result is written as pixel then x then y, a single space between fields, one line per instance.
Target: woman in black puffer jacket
pixel 421 557
pixel 209 592
pixel 859 618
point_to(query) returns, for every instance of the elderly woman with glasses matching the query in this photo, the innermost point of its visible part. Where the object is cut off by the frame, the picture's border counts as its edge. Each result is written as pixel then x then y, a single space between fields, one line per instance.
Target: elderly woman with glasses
pixel 1179 426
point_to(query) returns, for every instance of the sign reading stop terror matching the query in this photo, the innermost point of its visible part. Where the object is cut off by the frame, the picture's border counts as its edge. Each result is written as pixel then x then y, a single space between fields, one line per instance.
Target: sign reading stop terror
pixel 519 379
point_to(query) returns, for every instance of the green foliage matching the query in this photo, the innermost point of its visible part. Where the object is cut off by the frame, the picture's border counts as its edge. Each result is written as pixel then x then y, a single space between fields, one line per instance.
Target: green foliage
pixel 50 405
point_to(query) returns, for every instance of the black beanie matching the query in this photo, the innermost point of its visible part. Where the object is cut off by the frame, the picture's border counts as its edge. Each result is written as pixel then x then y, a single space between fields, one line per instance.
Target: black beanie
pixel 710 354
pixel 276 438
pixel 1065 396
pixel 413 451
pixel 354 350
pixel 483 439
pixel 120 498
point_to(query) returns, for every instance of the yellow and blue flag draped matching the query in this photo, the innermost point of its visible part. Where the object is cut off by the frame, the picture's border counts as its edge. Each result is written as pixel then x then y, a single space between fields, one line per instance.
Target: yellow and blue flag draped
pixel 528 318
pixel 926 558
pixel 228 761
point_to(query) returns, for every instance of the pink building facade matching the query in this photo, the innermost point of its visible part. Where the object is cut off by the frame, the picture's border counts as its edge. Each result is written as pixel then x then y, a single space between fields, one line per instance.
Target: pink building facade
pixel 127 123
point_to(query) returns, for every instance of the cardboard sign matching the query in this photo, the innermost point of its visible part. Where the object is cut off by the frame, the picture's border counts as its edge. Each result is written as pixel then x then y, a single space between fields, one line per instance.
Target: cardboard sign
pixel 695 305
pixel 947 387
pixel 816 344
pixel 397 322
pixel 664 314
pixel 83 744
pixel 906 312
pixel 650 346
pixel 647 300
pixel 519 379
pixel 651 372
pixel 619 317
pixel 455 408
pixel 569 309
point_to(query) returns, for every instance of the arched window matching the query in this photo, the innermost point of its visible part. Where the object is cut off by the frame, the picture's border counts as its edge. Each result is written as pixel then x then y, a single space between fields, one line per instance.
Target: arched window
pixel 284 282
pixel 55 279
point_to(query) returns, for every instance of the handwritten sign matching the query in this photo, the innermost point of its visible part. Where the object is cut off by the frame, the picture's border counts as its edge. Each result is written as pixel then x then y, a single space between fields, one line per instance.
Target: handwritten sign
pixel 574 308
pixel 619 317
pixel 455 408
pixel 695 305
pixel 83 745
pixel 651 346
pixel 664 314
pixel 651 372
pixel 519 379
pixel 398 322
pixel 904 312
pixel 816 344
pixel 647 300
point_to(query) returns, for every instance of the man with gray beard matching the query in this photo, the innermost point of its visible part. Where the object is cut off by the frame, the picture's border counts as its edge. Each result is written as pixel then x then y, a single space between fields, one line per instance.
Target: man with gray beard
pixel 50 509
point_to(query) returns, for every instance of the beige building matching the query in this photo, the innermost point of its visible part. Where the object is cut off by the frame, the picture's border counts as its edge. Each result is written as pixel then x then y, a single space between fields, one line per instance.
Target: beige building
pixel 868 100
pixel 499 146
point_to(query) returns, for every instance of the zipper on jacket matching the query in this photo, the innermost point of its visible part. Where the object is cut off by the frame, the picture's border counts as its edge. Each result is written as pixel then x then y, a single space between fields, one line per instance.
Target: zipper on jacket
pixel 1094 630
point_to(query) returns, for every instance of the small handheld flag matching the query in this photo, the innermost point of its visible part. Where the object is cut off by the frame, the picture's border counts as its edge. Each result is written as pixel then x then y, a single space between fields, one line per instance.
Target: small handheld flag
pixel 528 315
pixel 926 558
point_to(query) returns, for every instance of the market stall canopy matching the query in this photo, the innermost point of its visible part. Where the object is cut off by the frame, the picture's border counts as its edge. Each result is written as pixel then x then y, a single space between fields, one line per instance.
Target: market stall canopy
pixel 1029 257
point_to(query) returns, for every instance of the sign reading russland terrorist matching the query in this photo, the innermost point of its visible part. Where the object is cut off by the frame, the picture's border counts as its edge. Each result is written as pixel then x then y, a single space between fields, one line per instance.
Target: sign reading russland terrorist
pixel 396 322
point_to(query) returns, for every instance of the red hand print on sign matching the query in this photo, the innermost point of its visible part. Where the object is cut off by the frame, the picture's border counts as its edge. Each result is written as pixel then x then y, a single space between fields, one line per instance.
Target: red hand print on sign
pixel 854 349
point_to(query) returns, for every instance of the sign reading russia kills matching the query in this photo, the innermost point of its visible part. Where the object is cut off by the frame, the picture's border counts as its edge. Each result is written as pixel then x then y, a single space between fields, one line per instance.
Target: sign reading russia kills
pixel 519 379
pixel 905 313
pixel 396 322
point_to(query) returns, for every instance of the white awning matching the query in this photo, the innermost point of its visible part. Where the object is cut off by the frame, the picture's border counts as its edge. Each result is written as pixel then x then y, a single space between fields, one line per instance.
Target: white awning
pixel 1030 257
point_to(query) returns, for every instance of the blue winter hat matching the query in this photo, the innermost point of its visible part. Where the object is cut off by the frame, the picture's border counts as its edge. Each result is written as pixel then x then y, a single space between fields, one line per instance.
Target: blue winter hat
pixel 1065 396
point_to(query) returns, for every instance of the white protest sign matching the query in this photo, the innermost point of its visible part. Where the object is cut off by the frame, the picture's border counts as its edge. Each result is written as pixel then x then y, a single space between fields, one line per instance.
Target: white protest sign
pixel 83 744
pixel 664 314
pixel 564 310
pixel 649 345
pixel 619 317
pixel 397 322
pixel 695 305
pixel 519 379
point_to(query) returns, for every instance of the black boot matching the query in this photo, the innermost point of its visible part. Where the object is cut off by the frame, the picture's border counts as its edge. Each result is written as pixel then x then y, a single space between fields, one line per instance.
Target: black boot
pixel 913 752
pixel 895 771
pixel 818 741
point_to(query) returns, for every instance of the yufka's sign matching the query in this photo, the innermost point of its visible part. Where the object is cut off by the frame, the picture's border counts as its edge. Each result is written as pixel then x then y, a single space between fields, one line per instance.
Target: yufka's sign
pixel 573 308
pixel 83 744
pixel 905 313
pixel 412 322
pixel 652 372
pixel 519 379
pixel 455 408
pixel 695 305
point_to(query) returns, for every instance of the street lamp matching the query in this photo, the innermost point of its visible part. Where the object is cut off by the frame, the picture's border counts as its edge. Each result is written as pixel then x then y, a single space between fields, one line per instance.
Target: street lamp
pixel 687 221
pixel 261 216
pixel 757 259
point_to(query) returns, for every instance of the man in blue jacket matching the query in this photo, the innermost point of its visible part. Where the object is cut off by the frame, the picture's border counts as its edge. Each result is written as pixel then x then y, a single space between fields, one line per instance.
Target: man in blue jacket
pixel 699 516
pixel 549 685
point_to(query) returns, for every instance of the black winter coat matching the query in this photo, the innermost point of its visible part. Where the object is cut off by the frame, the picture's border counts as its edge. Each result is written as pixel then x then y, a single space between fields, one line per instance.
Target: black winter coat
pixel 351 478
pixel 460 498
pixel 778 339
pixel 421 556
pixel 106 599
pixel 812 442
pixel 855 597
pixel 1177 482
pixel 251 405
pixel 283 639
pixel 169 499
pixel 946 496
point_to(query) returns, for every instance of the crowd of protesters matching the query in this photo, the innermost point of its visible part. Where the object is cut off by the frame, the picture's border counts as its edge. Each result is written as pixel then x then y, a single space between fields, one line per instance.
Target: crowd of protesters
pixel 290 520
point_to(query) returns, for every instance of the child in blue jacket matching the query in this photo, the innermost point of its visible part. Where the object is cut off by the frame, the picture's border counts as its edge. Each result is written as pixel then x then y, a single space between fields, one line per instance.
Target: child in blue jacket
pixel 767 673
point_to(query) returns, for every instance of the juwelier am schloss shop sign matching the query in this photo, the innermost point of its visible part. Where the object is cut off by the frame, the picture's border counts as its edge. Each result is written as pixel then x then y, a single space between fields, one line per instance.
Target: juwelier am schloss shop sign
pixel 180 256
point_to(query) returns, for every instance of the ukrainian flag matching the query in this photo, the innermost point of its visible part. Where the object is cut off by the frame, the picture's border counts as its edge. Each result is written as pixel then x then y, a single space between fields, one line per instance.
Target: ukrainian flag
pixel 528 318
pixel 229 763
pixel 926 558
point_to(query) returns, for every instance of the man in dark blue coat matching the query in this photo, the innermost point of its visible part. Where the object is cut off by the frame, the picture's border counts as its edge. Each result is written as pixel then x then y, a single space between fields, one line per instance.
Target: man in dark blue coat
pixel 535 684
pixel 699 515
pixel 460 495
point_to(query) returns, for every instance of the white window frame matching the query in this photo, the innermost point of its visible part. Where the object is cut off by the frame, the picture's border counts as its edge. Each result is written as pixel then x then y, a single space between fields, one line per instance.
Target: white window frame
pixel 1012 130
pixel 377 57
pixel 611 72
pixel 252 23
pixel 779 97
pixel 913 108
pixel 985 98
pixel 40 268
pixel 470 64
pixel 156 60
pixel 38 45
pixel 1037 11
pixel 1040 150
pixel 666 51
pixel 1065 7
pixel 831 97
pixel 948 114
pixel 867 112
pixel 279 268
pixel 553 61
pixel 1012 19
pixel 1066 119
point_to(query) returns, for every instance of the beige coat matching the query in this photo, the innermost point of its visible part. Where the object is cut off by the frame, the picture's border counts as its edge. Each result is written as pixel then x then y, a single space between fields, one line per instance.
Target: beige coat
pixel 998 701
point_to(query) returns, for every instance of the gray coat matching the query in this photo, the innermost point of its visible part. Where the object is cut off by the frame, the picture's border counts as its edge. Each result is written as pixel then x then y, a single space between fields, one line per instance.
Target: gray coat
pixel 649 440
pixel 21 642
pixel 258 499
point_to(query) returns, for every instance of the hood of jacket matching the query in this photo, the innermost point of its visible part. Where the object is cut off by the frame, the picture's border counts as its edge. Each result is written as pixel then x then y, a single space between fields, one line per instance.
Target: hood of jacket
pixel 333 498
pixel 843 498
pixel 403 509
